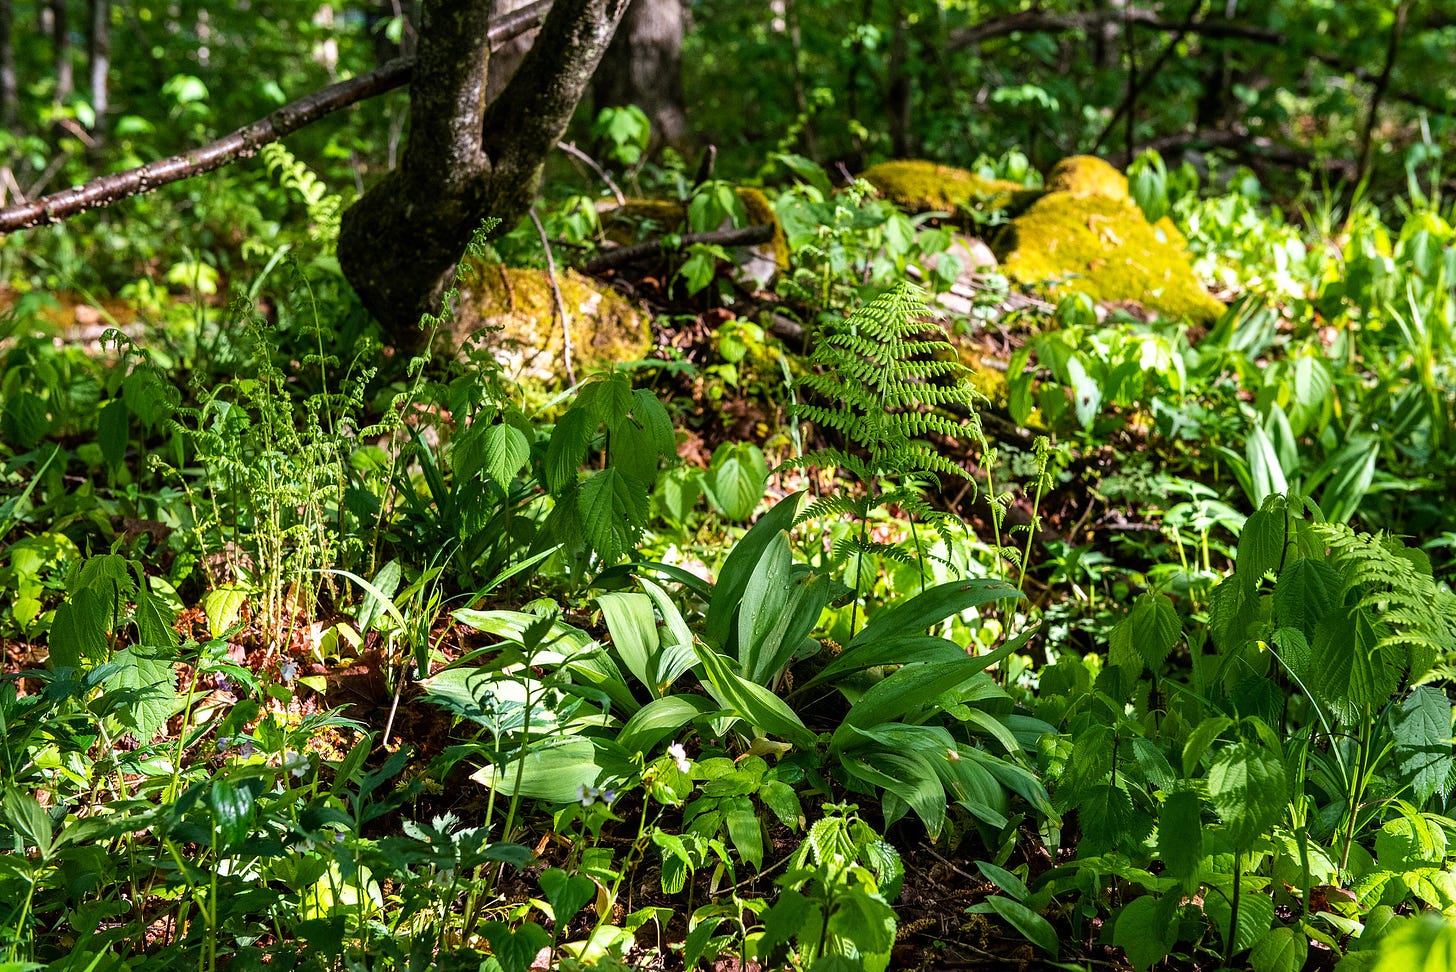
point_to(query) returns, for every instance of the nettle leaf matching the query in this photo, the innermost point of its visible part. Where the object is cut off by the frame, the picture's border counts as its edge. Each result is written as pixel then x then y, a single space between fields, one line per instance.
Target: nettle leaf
pixel 1110 821
pixel 1256 914
pixel 567 450
pixel 506 450
pixel 1180 835
pixel 1305 593
pixel 154 619
pixel 1421 725
pixel 78 631
pixel 1261 545
pixel 148 691
pixel 1353 670
pixel 1248 786
pixel 515 948
pixel 1151 629
pixel 613 509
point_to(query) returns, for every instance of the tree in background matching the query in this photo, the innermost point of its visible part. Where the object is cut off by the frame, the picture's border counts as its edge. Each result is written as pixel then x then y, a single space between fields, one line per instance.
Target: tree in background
pixel 643 67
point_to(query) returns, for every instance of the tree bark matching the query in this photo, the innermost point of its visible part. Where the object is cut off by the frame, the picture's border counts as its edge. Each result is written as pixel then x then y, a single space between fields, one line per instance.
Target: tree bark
pixel 506 58
pixel 99 58
pixel 464 161
pixel 61 45
pixel 9 85
pixel 643 67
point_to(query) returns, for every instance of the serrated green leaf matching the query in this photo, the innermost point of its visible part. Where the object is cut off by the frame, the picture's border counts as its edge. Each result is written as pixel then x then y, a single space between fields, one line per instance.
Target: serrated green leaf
pixel 1421 725
pixel 567 449
pixel 613 509
pixel 1180 835
pixel 506 450
pixel 232 809
pixel 1200 739
pixel 1261 545
pixel 1248 787
pixel 1305 592
pixel 149 691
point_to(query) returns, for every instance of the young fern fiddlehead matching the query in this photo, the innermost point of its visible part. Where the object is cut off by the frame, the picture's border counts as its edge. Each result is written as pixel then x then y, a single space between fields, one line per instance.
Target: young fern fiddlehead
pixel 878 379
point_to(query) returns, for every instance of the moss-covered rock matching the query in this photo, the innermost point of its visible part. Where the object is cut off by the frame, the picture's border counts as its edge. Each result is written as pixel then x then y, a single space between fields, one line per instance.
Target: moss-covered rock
pixel 511 309
pixel 920 187
pixel 1104 246
pixel 1087 175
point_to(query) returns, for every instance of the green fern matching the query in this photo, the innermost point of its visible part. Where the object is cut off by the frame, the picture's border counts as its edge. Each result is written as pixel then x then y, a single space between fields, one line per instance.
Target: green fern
pixel 885 385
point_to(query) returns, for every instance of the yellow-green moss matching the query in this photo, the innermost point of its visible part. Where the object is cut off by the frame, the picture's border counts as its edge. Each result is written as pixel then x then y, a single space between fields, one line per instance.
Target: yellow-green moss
pixel 1104 247
pixel 920 186
pixel 1087 175
pixel 516 305
pixel 761 211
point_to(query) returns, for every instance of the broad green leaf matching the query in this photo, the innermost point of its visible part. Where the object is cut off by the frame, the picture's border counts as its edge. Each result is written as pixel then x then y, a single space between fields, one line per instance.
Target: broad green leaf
pixel 1200 739
pixel 909 776
pixel 554 769
pixel 754 704
pixel 1353 669
pixel 783 802
pixel 633 629
pixel 659 719
pixel 1111 822
pixel 907 650
pixel 1180 835
pixel 613 509
pixel 1256 914
pixel 28 818
pixel 743 829
pixel 232 809
pixel 1424 944
pixel 78 631
pixel 222 606
pixel 765 601
pixel 154 619
pixel 1147 634
pixel 1035 929
pixel 1004 879
pixel 736 480
pixel 903 693
pixel 649 412
pixel 1409 841
pixel 1141 934
pixel 1248 787
pixel 931 606
pixel 865 920
pixel 515 948
pixel 1280 950
pixel 738 568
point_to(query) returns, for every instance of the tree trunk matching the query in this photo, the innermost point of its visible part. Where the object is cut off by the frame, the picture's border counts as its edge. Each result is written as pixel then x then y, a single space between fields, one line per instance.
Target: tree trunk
pixel 643 67
pixel 507 58
pixel 9 86
pixel 464 161
pixel 61 42
pixel 99 56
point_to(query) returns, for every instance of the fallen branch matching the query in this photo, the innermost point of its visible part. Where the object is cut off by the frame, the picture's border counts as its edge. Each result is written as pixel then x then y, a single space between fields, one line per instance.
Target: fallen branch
pixel 652 249
pixel 242 143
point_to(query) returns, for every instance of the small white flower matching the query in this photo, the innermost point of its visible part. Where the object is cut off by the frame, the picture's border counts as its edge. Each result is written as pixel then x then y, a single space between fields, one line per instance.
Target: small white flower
pixel 587 795
pixel 297 764
pixel 679 756
pixel 953 755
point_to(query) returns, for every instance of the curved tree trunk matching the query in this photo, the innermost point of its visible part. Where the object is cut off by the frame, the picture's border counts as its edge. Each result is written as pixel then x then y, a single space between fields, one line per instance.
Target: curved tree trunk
pixel 9 87
pixel 643 67
pixel 464 160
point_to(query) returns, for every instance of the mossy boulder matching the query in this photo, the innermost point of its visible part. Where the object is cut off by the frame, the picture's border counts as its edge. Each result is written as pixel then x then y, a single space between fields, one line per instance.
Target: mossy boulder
pixel 919 187
pixel 512 311
pixel 1087 175
pixel 1104 246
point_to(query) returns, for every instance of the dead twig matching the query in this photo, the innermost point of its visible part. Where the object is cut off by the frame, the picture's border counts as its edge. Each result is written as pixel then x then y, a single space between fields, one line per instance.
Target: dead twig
pixel 557 303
